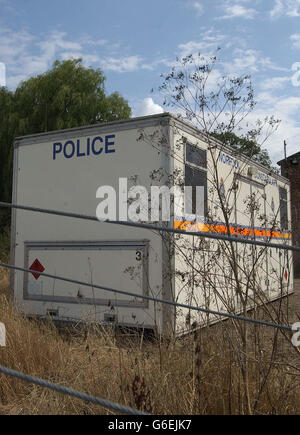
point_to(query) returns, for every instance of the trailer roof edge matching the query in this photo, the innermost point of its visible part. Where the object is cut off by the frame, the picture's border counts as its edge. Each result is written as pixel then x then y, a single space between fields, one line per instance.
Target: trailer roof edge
pixel 146 121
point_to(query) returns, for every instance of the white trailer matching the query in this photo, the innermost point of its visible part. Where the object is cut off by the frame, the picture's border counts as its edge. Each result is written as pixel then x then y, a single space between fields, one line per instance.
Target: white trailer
pixel 63 170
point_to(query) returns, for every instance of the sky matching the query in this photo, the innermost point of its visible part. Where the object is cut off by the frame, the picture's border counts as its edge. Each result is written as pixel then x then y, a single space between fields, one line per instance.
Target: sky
pixel 135 41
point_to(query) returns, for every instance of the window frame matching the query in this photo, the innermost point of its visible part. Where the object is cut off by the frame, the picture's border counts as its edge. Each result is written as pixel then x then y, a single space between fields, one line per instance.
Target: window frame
pixel 203 170
pixel 284 219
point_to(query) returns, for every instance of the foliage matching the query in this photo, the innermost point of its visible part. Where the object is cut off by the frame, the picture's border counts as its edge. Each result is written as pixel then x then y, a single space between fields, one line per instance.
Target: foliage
pixel 69 95
pixel 217 274
pixel 7 123
pixel 198 374
pixel 219 105
pixel 245 146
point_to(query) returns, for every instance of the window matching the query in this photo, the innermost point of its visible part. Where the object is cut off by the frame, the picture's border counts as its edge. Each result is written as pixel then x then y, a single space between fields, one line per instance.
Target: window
pixel 196 156
pixel 283 208
pixel 196 177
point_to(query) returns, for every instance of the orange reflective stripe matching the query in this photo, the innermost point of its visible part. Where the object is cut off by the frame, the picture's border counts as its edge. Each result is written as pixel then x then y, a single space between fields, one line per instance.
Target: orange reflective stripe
pixel 222 229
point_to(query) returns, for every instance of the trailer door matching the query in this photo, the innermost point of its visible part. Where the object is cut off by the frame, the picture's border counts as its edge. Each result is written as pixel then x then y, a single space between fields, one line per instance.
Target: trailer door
pixel 250 210
pixel 117 265
pixel 250 205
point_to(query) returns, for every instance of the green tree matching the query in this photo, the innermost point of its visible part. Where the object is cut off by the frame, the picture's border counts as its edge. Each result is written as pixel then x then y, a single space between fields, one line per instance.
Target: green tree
pixel 68 95
pixel 245 146
pixel 6 155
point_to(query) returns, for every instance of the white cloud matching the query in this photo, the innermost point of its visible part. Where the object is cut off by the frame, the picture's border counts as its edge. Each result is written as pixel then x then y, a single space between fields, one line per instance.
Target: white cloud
pixel 275 83
pixel 250 61
pixel 213 36
pixel 70 55
pixel 284 108
pixel 122 64
pixel 207 44
pixel 25 55
pixel 57 40
pixel 147 107
pixel 290 8
pixel 195 6
pixel 13 44
pixel 192 47
pixel 237 11
pixel 91 59
pixel 245 60
pixel 277 10
pixel 295 38
pixel 87 40
pixel 267 63
pixel 198 7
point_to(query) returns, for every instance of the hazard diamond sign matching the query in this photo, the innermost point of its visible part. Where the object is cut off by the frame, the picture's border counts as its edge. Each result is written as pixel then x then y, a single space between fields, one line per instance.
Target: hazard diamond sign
pixel 38 267
pixel 286 275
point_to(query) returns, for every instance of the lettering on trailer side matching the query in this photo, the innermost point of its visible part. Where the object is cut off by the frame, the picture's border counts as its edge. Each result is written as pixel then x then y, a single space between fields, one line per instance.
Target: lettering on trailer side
pixel 266 179
pixel 225 158
pixel 84 147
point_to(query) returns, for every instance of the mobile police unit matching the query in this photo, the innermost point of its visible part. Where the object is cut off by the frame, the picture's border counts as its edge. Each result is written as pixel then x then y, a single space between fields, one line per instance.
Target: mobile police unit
pixel 63 170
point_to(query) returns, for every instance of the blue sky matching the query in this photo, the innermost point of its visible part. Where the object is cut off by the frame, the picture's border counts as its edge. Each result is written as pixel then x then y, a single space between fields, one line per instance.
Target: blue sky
pixel 133 41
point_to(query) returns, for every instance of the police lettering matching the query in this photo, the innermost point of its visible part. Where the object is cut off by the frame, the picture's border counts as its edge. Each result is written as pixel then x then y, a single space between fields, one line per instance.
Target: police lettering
pixel 84 147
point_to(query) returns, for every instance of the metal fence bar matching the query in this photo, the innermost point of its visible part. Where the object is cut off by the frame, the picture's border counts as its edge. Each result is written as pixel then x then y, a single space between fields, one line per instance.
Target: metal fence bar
pixel 70 392
pixel 153 227
pixel 153 299
pixel 106 403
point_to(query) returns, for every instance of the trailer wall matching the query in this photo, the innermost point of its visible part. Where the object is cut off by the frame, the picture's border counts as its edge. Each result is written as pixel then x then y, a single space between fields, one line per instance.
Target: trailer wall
pixel 123 258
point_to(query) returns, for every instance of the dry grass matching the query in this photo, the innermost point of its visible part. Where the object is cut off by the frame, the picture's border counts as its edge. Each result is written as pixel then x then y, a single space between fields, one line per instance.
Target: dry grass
pixel 198 375
pixel 201 374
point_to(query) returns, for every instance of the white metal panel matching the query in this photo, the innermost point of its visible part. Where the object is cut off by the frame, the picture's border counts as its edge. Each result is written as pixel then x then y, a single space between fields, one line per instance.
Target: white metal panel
pixel 207 278
pixel 93 263
pixel 70 184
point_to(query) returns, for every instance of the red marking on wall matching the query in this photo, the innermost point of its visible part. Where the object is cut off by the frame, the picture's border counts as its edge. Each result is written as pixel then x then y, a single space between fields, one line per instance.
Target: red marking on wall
pixel 38 267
